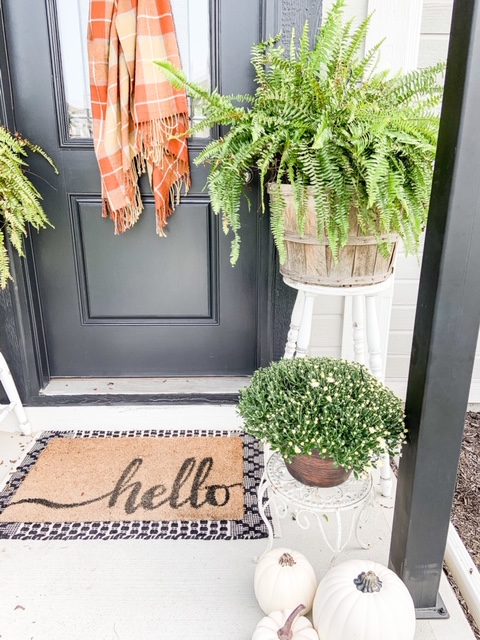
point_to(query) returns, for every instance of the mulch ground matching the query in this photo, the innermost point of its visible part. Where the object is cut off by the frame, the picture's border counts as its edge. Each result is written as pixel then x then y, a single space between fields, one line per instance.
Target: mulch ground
pixel 466 504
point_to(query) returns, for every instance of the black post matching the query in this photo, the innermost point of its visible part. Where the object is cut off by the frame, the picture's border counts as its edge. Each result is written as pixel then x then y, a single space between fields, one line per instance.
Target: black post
pixel 446 326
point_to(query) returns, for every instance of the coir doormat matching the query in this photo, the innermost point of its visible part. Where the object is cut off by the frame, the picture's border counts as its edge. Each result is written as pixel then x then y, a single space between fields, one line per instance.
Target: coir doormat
pixel 136 484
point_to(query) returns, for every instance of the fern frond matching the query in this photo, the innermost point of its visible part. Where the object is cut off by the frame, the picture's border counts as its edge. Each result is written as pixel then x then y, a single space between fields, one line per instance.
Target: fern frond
pixel 5 274
pixel 20 201
pixel 356 41
pixel 277 221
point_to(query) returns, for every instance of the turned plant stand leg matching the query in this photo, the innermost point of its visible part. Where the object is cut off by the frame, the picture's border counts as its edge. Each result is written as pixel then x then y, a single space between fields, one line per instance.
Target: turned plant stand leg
pixel 305 326
pixel 358 329
pixel 376 367
pixel 295 321
pixel 373 337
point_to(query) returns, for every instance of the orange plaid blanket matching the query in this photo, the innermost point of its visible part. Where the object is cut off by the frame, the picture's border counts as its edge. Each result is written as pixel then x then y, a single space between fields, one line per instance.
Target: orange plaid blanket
pixel 136 112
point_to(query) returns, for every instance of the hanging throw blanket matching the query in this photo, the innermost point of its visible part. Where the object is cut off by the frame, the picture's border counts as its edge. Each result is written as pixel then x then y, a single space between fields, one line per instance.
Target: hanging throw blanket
pixel 136 111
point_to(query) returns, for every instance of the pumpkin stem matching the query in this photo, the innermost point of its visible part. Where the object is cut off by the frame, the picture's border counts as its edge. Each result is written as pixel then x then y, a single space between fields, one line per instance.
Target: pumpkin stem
pixel 286 560
pixel 368 582
pixel 286 633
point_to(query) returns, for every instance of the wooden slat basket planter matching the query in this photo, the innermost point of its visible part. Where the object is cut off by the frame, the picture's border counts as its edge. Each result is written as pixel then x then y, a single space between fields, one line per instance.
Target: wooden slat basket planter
pixel 309 259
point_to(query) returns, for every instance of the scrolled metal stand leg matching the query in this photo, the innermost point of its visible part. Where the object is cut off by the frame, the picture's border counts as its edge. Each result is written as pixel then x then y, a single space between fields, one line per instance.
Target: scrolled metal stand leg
pixel 262 490
pixel 338 542
pixel 362 518
pixel 319 518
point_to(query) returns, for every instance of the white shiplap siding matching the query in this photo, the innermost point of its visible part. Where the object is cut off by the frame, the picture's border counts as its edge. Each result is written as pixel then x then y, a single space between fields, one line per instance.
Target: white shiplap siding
pixel 327 323
pixel 405 294
pixel 436 19
pixel 356 9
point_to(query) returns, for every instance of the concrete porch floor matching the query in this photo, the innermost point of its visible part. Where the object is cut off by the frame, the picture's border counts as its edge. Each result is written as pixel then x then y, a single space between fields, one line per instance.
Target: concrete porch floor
pixel 147 590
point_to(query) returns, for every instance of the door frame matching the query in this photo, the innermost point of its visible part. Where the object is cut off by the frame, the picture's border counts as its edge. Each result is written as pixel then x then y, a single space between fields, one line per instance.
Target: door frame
pixel 20 331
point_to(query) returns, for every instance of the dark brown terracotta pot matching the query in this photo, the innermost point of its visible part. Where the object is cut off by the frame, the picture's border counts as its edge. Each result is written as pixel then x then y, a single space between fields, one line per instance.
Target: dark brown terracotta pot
pixel 315 471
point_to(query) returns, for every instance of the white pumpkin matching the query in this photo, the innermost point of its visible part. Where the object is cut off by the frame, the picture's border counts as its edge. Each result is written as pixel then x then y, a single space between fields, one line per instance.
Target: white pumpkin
pixel 283 578
pixel 364 600
pixel 285 625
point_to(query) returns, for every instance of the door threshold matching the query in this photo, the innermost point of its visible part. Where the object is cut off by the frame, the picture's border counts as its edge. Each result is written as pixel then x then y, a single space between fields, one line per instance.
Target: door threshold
pixel 212 385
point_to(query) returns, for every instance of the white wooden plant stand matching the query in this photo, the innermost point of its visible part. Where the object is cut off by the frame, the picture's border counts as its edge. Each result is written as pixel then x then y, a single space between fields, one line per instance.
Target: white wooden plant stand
pixel 364 314
pixel 14 402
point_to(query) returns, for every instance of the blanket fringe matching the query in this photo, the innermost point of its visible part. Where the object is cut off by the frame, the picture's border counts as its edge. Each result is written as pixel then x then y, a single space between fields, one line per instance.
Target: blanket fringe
pixel 151 141
pixel 151 137
pixel 125 217
pixel 166 208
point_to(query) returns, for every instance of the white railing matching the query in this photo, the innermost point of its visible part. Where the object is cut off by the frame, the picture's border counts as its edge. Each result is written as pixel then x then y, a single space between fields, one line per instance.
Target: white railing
pixel 14 402
pixel 464 572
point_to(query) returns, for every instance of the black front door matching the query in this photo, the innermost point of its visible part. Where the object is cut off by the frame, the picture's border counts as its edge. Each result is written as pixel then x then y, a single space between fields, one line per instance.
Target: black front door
pixel 134 304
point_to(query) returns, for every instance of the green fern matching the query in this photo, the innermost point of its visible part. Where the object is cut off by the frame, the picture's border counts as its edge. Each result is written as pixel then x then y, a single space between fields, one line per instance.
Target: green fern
pixel 20 201
pixel 323 118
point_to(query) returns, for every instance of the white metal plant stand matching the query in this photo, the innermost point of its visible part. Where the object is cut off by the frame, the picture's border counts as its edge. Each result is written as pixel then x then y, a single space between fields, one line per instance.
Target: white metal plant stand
pixel 364 316
pixel 14 402
pixel 306 503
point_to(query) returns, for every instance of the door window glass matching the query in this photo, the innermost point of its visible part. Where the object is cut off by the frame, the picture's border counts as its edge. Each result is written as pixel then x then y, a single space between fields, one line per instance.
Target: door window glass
pixel 192 25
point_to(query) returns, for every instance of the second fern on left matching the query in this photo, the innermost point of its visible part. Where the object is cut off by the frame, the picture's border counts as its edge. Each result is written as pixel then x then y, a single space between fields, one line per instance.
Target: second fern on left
pixel 20 200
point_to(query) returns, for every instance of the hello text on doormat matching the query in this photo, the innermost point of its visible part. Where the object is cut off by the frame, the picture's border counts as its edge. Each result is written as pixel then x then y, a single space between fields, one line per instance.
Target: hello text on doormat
pixel 135 478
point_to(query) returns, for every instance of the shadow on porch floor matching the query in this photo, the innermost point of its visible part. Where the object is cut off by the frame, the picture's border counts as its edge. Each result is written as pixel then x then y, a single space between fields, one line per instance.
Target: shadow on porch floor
pixel 147 590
